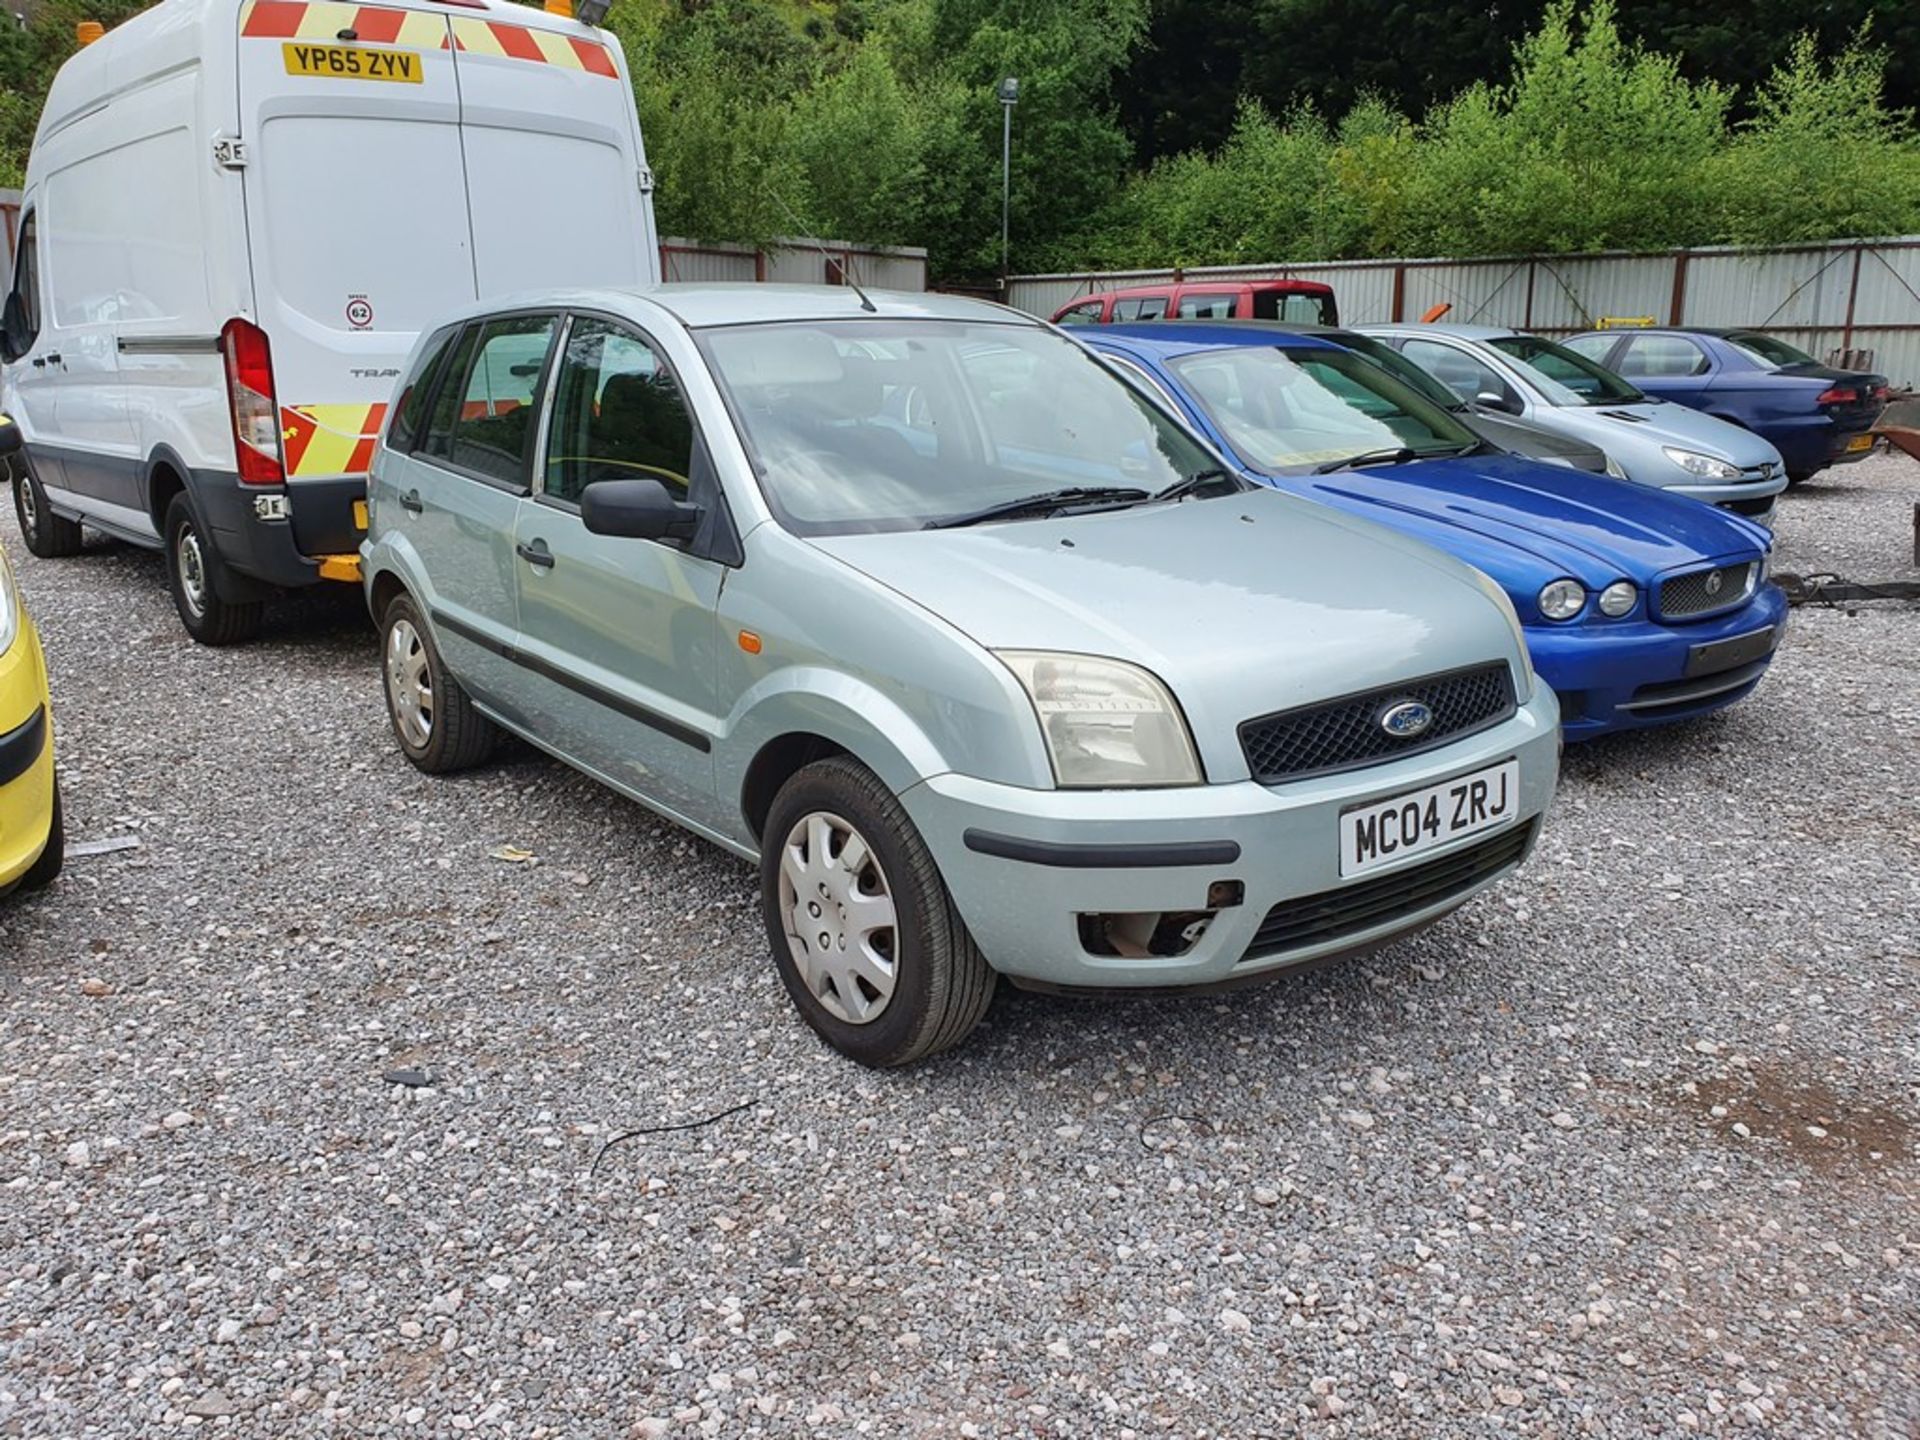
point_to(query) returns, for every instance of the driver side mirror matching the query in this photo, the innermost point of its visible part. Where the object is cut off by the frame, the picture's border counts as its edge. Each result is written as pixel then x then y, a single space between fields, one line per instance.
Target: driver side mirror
pixel 10 440
pixel 1504 401
pixel 15 339
pixel 637 510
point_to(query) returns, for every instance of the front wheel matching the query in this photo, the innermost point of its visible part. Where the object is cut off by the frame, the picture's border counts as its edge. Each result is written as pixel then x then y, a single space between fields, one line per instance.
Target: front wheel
pixel 865 935
pixel 48 536
pixel 190 566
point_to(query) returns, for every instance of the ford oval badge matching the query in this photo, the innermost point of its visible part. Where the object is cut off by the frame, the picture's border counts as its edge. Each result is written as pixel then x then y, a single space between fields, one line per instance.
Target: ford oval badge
pixel 1406 720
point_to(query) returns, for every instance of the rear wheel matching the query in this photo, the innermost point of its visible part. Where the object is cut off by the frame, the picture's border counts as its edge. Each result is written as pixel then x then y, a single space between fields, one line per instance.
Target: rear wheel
pixel 865 935
pixel 49 536
pixel 190 572
pixel 47 868
pixel 436 723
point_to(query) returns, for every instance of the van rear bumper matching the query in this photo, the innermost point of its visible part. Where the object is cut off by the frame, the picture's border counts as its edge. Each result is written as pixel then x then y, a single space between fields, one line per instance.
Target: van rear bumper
pixel 284 553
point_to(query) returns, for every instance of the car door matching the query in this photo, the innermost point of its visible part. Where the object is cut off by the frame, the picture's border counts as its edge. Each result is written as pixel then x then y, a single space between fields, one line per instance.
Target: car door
pixel 463 484
pixel 1673 367
pixel 619 634
pixel 29 386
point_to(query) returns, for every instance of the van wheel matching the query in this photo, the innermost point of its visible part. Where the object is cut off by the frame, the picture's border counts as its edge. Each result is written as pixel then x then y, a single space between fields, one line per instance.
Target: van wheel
pixel 864 933
pixel 190 564
pixel 434 720
pixel 49 536
pixel 47 868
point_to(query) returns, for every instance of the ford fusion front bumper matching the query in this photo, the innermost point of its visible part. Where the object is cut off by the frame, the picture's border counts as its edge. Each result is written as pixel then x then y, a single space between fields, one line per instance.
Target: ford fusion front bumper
pixel 1208 885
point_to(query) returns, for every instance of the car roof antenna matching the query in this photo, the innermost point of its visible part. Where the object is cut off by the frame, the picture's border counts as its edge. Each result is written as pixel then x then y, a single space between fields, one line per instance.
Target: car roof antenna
pixel 845 262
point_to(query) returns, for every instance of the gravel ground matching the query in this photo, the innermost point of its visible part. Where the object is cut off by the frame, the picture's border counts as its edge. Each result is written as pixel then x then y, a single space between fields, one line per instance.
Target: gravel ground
pixel 1625 1148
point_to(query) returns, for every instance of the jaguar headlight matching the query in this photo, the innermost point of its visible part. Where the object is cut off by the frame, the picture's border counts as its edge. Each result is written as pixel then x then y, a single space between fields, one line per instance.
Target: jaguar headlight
pixel 1108 725
pixel 1562 599
pixel 1618 598
pixel 1705 466
pixel 9 607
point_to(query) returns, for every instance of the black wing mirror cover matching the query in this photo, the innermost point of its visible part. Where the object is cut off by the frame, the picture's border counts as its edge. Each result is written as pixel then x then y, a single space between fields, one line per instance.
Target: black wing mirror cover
pixel 637 510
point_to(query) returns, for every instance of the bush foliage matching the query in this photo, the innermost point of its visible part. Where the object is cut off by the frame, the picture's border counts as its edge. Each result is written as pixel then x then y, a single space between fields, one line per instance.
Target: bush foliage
pixel 877 120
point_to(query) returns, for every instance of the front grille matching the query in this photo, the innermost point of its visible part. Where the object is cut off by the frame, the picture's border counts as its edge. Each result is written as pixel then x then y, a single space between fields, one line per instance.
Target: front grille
pixel 1344 733
pixel 1699 592
pixel 1754 474
pixel 1753 508
pixel 1332 914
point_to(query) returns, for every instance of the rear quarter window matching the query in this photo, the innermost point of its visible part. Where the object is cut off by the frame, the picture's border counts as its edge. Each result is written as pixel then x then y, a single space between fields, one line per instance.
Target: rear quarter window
pixel 410 409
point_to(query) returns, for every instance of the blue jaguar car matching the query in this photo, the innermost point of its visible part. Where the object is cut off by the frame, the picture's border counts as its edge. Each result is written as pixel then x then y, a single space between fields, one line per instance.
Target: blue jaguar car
pixel 1640 608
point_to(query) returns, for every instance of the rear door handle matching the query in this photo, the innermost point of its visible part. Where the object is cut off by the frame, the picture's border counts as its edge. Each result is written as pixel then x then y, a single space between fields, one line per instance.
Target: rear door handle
pixel 535 553
pixel 411 502
pixel 53 358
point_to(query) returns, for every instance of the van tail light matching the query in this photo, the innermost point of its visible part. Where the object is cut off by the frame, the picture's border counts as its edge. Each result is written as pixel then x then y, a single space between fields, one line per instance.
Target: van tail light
pixel 251 402
pixel 1838 395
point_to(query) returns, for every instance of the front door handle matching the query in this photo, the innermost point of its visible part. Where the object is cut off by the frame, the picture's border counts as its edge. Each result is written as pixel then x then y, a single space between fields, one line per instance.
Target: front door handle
pixel 535 552
pixel 411 502
pixel 53 357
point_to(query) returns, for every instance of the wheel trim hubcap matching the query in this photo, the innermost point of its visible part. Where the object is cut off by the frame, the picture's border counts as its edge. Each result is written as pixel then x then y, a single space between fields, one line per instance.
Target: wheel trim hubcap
pixel 193 571
pixel 29 507
pixel 409 684
pixel 842 929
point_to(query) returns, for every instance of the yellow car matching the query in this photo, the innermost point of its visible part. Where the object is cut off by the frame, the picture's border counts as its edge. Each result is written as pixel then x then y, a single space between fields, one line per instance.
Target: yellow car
pixel 32 839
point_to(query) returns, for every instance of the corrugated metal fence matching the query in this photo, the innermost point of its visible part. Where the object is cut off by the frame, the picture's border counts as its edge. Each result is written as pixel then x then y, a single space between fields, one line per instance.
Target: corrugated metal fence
pixel 1858 295
pixel 878 267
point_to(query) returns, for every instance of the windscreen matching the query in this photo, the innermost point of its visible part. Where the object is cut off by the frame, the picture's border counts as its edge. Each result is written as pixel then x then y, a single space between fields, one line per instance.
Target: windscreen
pixel 1773 354
pixel 898 424
pixel 1284 410
pixel 1565 378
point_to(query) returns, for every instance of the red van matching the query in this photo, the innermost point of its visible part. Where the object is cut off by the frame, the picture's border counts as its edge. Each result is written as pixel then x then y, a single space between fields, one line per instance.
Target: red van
pixel 1300 302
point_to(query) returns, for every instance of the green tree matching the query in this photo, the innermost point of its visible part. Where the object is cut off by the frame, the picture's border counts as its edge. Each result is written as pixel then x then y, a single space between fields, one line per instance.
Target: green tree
pixel 1823 156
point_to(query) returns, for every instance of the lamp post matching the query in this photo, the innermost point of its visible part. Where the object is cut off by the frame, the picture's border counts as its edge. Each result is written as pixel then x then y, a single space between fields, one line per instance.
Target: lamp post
pixel 1009 97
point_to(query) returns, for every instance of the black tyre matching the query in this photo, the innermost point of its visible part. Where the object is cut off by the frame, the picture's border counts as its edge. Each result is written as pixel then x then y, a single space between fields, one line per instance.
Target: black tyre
pixel 433 719
pixel 863 930
pixel 1797 478
pixel 190 575
pixel 49 536
pixel 47 868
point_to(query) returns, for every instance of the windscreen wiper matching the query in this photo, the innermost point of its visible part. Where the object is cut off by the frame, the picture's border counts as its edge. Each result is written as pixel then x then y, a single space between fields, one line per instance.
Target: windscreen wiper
pixel 1400 456
pixel 1045 503
pixel 1397 455
pixel 1188 484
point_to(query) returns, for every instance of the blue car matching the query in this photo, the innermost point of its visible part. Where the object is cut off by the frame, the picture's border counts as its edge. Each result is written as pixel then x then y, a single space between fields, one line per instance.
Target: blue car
pixel 1815 415
pixel 1640 608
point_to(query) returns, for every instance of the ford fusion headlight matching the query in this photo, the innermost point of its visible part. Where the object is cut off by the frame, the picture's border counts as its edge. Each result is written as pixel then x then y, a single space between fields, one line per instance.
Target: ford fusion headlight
pixel 1562 599
pixel 1618 598
pixel 9 607
pixel 1615 469
pixel 1705 466
pixel 1109 725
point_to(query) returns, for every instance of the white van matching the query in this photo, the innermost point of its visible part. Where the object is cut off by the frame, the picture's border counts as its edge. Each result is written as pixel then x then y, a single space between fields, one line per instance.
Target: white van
pixel 238 216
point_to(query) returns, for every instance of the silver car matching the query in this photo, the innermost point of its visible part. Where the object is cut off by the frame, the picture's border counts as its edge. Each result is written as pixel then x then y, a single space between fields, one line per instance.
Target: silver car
pixel 989 664
pixel 1649 441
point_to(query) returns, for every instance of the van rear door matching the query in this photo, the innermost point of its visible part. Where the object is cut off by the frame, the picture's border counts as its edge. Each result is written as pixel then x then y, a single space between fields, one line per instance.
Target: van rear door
pixel 557 182
pixel 356 208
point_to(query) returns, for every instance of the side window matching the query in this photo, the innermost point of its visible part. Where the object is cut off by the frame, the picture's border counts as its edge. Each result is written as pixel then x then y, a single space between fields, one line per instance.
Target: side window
pixel 1292 307
pixel 24 321
pixel 618 413
pixel 1088 314
pixel 1206 307
pixel 1458 371
pixel 1594 347
pixel 1662 357
pixel 492 433
pixel 1154 307
pixel 410 409
pixel 446 398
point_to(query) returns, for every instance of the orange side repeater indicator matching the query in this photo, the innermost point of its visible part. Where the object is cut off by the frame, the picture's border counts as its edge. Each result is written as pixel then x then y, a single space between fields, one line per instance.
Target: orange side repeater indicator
pixel 749 642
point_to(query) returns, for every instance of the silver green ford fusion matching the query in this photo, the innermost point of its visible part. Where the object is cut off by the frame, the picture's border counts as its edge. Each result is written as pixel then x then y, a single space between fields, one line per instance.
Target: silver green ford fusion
pixel 992 667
